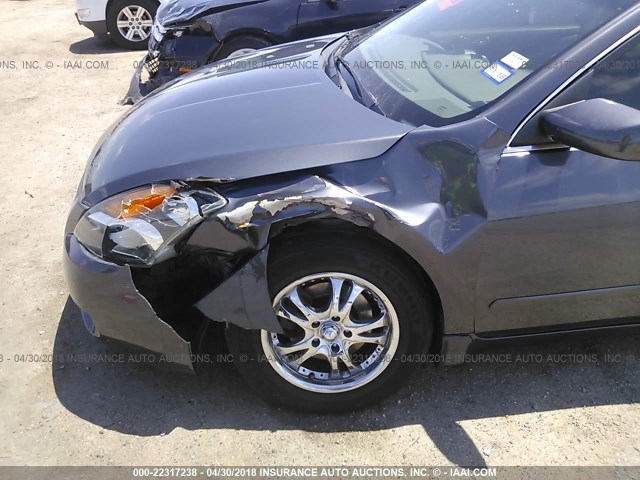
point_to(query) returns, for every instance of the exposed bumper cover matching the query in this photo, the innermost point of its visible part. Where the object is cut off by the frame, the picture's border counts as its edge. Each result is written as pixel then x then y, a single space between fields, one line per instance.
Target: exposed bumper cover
pixel 168 59
pixel 117 309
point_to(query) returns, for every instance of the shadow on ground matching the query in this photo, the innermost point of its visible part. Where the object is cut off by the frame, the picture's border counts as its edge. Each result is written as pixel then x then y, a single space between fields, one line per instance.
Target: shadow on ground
pixel 95 45
pixel 141 400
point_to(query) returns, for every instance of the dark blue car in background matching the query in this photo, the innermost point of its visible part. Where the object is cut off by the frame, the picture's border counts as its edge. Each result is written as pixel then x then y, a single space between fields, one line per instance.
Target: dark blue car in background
pixel 188 34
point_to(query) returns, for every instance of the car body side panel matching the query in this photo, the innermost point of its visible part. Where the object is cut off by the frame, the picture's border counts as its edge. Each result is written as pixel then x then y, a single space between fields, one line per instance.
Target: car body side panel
pixel 415 196
pixel 449 171
pixel 259 19
pixel 426 194
pixel 545 312
pixel 563 222
pixel 564 225
pixel 319 17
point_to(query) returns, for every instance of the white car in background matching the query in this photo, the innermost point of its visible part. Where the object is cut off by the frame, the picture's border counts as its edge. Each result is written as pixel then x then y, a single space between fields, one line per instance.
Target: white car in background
pixel 128 22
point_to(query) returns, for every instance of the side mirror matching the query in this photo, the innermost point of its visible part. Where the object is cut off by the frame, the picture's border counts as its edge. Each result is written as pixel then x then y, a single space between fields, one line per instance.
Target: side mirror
pixel 599 126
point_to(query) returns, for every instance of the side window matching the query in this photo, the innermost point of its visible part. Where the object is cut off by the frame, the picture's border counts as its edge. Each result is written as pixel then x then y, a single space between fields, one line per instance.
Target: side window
pixel 616 78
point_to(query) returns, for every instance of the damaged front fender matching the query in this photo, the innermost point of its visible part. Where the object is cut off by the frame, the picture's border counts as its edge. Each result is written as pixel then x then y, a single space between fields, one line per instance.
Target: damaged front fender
pixel 248 223
pixel 427 196
pixel 245 224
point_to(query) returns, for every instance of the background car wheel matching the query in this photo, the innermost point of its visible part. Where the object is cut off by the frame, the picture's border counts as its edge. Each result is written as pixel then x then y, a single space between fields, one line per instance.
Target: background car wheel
pixel 350 311
pixel 240 46
pixel 129 22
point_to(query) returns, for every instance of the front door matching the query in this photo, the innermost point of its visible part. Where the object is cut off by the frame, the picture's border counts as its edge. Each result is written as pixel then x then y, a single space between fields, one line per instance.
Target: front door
pixel 564 233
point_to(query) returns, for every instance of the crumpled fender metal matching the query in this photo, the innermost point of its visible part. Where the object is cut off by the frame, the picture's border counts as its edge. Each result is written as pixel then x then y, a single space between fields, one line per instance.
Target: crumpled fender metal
pixel 417 195
pixel 244 224
pixel 243 299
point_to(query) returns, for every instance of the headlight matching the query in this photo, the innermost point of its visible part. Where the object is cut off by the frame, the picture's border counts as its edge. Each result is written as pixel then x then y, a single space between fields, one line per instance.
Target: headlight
pixel 142 226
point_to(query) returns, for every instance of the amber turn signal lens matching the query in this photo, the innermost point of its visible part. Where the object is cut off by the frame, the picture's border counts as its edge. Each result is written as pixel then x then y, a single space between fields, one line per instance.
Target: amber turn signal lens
pixel 136 206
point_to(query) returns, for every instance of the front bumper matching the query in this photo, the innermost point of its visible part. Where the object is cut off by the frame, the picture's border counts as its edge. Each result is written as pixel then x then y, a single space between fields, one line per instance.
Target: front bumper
pixel 97 27
pixel 113 308
pixel 167 60
pixel 137 88
pixel 152 308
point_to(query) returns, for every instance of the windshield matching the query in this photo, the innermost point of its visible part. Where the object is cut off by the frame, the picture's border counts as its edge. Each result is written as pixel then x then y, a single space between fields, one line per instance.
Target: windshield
pixel 449 59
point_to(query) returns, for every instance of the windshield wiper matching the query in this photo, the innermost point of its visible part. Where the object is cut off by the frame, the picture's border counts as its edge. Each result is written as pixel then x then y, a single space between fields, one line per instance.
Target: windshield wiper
pixel 356 37
pixel 355 85
pixel 351 81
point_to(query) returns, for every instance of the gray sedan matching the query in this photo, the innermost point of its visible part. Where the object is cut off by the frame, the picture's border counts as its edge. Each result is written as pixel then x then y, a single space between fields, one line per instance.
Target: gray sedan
pixel 350 206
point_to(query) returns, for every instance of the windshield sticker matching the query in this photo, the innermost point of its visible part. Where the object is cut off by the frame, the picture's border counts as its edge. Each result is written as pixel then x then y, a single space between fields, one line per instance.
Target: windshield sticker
pixel 515 60
pixel 448 4
pixel 497 72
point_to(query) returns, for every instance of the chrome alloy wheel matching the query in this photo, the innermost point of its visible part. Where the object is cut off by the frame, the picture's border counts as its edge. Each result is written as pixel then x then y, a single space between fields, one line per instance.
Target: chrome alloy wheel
pixel 340 333
pixel 134 23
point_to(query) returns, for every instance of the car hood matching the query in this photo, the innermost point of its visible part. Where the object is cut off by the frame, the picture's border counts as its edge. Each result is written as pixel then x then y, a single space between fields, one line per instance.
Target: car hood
pixel 173 12
pixel 232 121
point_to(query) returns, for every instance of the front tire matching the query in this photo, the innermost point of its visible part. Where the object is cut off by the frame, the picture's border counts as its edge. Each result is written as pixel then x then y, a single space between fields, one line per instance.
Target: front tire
pixel 129 22
pixel 240 46
pixel 351 314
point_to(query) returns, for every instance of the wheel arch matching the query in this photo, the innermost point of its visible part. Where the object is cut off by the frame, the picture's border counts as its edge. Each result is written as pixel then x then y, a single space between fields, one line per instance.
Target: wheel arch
pixel 315 226
pixel 243 32
pixel 110 2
